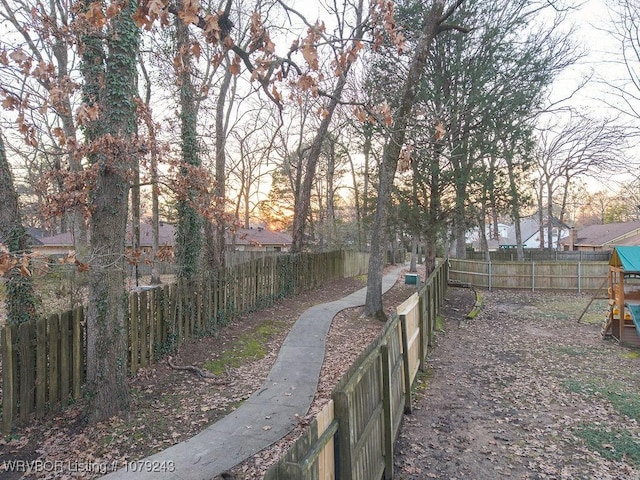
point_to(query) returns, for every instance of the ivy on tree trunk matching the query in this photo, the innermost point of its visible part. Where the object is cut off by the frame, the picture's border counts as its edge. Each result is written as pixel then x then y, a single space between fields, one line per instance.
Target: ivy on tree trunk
pixel 189 228
pixel 107 307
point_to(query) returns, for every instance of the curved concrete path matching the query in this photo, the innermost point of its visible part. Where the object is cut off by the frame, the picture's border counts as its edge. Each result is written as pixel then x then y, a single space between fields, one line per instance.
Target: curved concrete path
pixel 265 417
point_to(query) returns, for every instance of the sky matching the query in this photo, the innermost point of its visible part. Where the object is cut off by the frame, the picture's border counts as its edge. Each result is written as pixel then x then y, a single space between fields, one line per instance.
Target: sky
pixel 592 20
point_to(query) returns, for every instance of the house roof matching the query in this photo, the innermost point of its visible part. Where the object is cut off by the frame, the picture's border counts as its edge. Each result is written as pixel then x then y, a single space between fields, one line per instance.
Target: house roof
pixel 166 234
pixel 608 234
pixel 627 257
pixel 528 228
pixel 261 236
pixel 61 239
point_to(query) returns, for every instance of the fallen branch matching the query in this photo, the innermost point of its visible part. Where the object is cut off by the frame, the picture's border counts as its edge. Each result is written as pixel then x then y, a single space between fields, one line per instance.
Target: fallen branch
pixel 197 370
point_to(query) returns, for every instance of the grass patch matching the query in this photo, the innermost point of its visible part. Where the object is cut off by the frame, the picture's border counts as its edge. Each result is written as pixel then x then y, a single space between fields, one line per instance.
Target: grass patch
pixel 613 445
pixel 422 381
pixel 574 351
pixel 625 403
pixel 631 354
pixel 439 327
pixel 251 345
pixel 578 386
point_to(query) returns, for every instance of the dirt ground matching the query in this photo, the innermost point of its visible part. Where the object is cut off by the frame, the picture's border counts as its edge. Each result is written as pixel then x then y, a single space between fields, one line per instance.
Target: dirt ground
pixel 524 391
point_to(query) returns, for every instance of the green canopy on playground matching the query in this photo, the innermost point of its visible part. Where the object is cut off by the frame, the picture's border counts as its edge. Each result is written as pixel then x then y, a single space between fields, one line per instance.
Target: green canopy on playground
pixel 626 257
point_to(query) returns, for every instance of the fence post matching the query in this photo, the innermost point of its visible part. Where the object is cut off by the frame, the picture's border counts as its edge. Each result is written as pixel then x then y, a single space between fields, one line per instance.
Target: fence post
pixel 422 324
pixel 533 276
pixel 133 332
pixel 387 413
pixel 41 366
pixel 405 364
pixel 143 326
pixel 341 404
pixel 579 277
pixel 489 269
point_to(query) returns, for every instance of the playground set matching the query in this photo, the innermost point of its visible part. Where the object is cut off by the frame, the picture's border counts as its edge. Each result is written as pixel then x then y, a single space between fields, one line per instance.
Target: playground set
pixel 623 318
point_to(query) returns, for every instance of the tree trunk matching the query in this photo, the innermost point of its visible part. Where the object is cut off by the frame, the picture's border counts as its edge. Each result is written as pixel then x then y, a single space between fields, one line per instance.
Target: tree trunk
pixel 541 213
pixel 435 206
pixel 303 198
pixel 19 297
pixel 331 213
pixel 391 153
pixel 356 201
pixel 366 151
pixel 107 354
pixel 135 218
pixel 482 224
pixel 549 217
pixel 515 207
pixel 413 267
pixel 188 231
pixel 215 233
pixel 155 218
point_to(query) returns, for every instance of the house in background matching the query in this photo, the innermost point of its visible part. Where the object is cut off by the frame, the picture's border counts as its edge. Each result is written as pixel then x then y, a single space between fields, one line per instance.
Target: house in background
pixel 603 237
pixel 530 230
pixel 245 239
pixel 62 243
pixel 473 237
pixel 259 239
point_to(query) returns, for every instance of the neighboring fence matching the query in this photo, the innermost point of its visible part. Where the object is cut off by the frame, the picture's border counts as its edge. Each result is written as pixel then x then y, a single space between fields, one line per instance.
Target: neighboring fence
pixel 43 362
pixel 353 436
pixel 570 276
pixel 536 255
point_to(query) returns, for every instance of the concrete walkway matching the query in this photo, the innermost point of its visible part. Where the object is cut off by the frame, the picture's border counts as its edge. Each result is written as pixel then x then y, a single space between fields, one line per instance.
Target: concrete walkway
pixel 265 417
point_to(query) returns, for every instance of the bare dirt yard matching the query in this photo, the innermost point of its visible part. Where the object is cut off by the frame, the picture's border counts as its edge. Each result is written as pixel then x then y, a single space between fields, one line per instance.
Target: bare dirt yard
pixel 523 391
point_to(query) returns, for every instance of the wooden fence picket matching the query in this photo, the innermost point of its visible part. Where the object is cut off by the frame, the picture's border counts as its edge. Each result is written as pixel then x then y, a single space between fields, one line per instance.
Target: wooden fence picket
pixel 65 355
pixel 41 367
pixel 54 360
pixel 78 376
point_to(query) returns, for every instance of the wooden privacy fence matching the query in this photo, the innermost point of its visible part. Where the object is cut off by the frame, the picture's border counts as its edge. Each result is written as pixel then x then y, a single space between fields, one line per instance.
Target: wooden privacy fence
pixel 43 362
pixel 570 276
pixel 353 436
pixel 544 255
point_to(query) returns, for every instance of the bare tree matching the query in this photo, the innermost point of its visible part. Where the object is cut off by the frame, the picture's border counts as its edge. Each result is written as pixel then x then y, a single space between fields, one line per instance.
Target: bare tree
pixel 345 44
pixel 577 148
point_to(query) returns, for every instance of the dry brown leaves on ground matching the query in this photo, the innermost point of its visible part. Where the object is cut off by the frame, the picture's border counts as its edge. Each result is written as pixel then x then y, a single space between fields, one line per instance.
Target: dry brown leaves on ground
pixel 169 406
pixel 525 392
